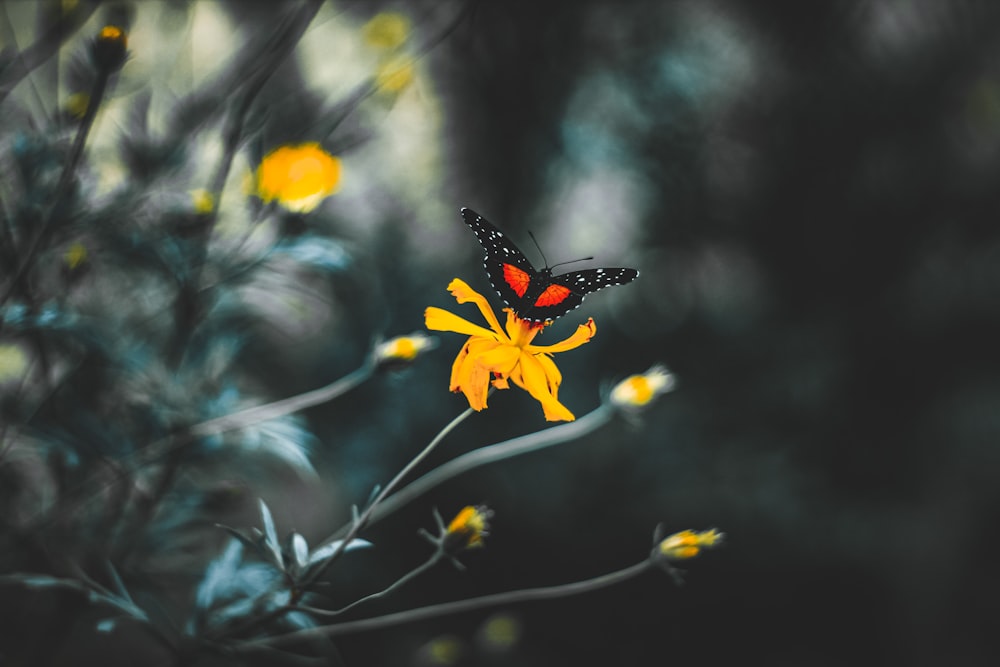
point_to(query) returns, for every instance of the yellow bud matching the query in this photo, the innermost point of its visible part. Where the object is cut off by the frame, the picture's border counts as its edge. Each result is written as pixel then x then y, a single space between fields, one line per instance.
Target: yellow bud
pixel 688 544
pixel 387 30
pixel 637 391
pixel 202 201
pixel 75 255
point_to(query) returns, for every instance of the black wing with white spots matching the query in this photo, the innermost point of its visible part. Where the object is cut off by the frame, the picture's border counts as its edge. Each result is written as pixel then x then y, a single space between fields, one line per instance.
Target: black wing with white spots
pixel 534 295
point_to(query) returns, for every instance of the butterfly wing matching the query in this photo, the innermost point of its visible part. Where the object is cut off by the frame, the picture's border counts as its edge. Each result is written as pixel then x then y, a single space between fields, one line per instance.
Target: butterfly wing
pixel 509 270
pixel 566 291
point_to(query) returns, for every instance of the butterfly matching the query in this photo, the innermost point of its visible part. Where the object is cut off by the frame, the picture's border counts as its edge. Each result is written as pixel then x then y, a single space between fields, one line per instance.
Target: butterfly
pixel 536 296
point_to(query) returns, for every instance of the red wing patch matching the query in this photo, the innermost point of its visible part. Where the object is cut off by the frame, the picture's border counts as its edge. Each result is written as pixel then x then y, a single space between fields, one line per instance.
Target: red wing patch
pixel 552 296
pixel 517 279
pixel 533 295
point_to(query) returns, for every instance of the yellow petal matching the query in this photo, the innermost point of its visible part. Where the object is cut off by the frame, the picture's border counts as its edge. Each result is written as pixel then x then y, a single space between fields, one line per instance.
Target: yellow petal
pixel 552 374
pixel 501 360
pixel 582 335
pixel 469 376
pixel 455 383
pixel 521 332
pixel 298 177
pixel 463 294
pixel 438 319
pixel 531 376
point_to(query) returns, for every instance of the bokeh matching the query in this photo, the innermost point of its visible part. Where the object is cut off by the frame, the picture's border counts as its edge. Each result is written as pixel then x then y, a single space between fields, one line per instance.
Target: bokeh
pixel 805 189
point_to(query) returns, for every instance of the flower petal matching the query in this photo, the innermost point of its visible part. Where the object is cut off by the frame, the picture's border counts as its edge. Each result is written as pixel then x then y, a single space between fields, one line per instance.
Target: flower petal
pixel 463 294
pixel 521 332
pixel 552 374
pixel 469 376
pixel 531 375
pixel 582 335
pixel 500 360
pixel 438 319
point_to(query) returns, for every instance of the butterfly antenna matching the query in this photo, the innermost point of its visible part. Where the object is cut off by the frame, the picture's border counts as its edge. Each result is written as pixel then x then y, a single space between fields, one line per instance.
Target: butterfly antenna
pixel 582 259
pixel 544 261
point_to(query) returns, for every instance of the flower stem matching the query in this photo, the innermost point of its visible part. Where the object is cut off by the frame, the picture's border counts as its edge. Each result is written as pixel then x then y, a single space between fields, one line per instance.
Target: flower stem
pixel 43 48
pixel 76 152
pixel 409 576
pixel 359 524
pixel 433 611
pixel 479 457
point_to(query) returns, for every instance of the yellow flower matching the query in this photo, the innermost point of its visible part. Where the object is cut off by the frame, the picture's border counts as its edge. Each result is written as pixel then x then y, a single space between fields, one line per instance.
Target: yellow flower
pixel 112 33
pixel 77 103
pixel 403 349
pixel 499 354
pixel 395 74
pixel 467 529
pixel 110 48
pixel 387 30
pixel 202 201
pixel 687 544
pixel 637 391
pixel 75 255
pixel 13 362
pixel 298 177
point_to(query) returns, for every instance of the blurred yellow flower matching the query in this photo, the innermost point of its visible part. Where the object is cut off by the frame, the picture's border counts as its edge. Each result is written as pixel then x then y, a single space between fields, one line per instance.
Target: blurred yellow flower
pixel 395 74
pixel 496 355
pixel 77 103
pixel 403 349
pixel 467 529
pixel 298 177
pixel 110 48
pixel 202 201
pixel 387 30
pixel 75 255
pixel 637 391
pixel 688 544
pixel 112 33
pixel 500 632
pixel 13 361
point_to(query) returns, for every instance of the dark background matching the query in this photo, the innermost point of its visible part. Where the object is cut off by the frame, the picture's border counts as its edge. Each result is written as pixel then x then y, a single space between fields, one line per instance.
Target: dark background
pixel 809 191
pixel 817 235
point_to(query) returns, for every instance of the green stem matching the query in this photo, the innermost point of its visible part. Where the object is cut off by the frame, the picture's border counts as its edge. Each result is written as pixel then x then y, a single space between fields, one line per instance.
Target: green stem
pixel 44 48
pixel 76 152
pixel 399 583
pixel 484 455
pixel 458 606
pixel 362 521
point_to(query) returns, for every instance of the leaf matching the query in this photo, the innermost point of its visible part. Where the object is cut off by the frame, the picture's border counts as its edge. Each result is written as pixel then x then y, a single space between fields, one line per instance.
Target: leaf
pixel 316 251
pixel 328 549
pixel 42 581
pixel 300 549
pixel 106 625
pixel 282 438
pixel 217 574
pixel 271 533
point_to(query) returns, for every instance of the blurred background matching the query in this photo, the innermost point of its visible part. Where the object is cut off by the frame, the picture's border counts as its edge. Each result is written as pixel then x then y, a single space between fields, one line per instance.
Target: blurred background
pixel 809 191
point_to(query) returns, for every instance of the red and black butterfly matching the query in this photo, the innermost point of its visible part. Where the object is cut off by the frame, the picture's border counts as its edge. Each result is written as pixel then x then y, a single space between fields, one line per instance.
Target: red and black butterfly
pixel 537 296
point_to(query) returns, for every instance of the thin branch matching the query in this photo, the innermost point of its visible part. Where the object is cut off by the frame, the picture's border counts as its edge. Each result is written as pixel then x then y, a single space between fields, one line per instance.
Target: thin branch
pixel 359 524
pixel 399 583
pixel 458 606
pixel 76 152
pixel 484 455
pixel 44 48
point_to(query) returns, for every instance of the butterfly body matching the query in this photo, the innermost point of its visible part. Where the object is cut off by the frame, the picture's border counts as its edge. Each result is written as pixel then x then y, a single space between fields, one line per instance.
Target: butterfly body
pixel 536 295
